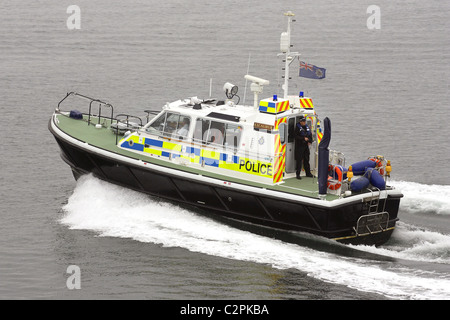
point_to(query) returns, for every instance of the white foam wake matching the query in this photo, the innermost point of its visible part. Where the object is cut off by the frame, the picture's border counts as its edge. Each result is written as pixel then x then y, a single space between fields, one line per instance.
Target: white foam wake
pixel 415 244
pixel 423 198
pixel 117 212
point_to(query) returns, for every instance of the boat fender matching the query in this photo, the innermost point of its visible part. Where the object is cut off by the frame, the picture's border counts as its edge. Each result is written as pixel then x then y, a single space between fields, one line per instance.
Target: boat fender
pixel 359 184
pixel 388 168
pixel 350 173
pixel 359 168
pixel 75 114
pixel 335 179
pixel 375 178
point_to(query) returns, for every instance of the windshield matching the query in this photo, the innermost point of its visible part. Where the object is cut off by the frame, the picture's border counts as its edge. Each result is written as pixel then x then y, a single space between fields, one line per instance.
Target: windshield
pixel 170 125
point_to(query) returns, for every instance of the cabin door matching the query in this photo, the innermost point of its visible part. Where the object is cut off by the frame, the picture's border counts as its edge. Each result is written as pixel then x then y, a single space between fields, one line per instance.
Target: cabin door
pixel 290 146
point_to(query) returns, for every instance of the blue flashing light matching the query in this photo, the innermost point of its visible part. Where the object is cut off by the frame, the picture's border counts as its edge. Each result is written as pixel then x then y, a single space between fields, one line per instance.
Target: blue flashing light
pixel 301 94
pixel 275 97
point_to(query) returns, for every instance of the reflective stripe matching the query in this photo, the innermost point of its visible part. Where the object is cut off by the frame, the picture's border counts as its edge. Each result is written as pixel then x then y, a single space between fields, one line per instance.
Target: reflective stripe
pixel 200 156
pixel 278 122
pixel 153 151
pixel 193 150
pixel 211 154
pixel 306 103
pixel 171 146
pixel 319 132
pixel 319 135
pixel 153 142
pixel 254 167
pixel 280 159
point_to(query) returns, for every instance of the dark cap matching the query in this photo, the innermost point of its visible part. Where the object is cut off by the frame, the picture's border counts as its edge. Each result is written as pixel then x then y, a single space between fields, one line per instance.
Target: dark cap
pixel 302 119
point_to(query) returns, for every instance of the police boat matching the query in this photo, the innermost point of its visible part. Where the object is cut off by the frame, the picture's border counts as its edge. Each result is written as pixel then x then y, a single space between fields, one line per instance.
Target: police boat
pixel 234 161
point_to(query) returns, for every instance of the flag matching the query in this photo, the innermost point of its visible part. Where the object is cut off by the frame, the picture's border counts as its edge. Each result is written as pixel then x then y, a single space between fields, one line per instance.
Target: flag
pixel 311 71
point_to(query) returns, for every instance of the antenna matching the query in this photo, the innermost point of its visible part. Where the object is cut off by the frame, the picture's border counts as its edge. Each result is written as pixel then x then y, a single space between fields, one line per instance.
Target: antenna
pixel 285 47
pixel 248 68
pixel 210 87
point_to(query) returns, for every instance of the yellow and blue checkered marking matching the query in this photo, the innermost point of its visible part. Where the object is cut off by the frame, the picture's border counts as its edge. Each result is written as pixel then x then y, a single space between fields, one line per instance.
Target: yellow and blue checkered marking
pixel 201 156
pixel 198 155
pixel 273 107
pixel 269 107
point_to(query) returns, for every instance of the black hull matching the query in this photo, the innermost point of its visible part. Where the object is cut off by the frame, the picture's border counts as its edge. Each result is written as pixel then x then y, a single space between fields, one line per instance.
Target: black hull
pixel 335 223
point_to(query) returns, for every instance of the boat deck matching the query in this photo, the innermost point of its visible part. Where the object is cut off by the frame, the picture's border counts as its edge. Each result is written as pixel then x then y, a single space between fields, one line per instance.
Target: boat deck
pixel 105 138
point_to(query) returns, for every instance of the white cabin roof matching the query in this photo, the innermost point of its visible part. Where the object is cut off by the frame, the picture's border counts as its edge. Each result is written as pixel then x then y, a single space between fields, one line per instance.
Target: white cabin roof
pixel 244 113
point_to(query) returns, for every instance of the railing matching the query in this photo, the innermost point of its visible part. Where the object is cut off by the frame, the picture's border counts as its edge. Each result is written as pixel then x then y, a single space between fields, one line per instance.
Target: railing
pixel 119 124
pixel 375 220
pixel 374 201
pixel 127 125
pixel 92 100
pixel 153 112
pixel 100 103
pixel 337 158
pixel 372 223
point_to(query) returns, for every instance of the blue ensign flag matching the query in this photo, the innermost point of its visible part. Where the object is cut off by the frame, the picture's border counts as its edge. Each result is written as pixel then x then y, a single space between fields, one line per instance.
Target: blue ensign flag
pixel 311 71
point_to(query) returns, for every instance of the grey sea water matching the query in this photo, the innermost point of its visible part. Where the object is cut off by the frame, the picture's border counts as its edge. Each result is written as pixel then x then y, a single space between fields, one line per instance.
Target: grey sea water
pixel 386 92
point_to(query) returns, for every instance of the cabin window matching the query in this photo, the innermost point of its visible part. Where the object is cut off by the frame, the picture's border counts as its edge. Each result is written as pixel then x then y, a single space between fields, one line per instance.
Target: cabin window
pixel 171 125
pixel 291 129
pixel 217 133
pixel 157 126
pixel 201 129
pixel 182 128
pixel 233 134
pixel 282 131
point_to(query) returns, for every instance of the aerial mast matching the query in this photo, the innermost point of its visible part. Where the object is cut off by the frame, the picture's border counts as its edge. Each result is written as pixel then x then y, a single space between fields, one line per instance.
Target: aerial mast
pixel 285 47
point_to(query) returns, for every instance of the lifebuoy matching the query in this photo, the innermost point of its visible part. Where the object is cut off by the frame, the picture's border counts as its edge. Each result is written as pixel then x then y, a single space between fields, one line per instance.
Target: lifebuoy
pixel 378 165
pixel 334 184
pixel 377 161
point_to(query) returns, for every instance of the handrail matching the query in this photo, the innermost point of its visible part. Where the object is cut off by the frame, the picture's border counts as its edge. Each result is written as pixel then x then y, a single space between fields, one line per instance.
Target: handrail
pixel 100 109
pixel 92 100
pixel 128 116
pixel 154 112
pixel 59 103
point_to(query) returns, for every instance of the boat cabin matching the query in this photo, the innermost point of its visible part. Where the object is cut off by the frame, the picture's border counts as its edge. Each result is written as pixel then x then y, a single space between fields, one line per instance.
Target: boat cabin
pixel 255 144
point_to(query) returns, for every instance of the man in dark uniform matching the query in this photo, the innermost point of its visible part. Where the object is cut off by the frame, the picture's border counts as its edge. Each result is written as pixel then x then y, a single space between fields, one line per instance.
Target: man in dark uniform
pixel 303 139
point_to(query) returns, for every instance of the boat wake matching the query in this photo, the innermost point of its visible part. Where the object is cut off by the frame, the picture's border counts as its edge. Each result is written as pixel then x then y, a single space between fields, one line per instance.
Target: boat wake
pixel 413 243
pixel 112 211
pixel 422 198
